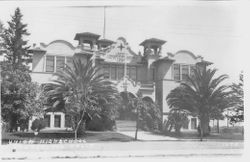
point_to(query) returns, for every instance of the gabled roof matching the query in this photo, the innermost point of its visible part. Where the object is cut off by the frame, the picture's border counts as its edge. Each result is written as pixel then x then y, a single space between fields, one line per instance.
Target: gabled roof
pixel 86 34
pixel 152 40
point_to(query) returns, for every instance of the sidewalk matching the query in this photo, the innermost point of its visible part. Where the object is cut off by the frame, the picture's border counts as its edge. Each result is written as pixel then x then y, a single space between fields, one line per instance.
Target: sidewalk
pixel 121 150
pixel 148 136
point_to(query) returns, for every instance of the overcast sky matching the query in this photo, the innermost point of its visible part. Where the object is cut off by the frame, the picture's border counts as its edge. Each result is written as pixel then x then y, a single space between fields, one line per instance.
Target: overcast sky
pixel 208 29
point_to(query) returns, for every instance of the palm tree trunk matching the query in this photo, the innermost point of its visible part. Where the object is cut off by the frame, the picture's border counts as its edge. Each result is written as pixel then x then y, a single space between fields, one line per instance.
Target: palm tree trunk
pixel 75 134
pixel 204 126
pixel 201 130
pixel 78 125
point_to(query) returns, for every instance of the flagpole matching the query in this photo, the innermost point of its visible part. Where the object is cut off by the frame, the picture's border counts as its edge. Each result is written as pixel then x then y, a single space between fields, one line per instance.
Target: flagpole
pixel 104 23
pixel 125 65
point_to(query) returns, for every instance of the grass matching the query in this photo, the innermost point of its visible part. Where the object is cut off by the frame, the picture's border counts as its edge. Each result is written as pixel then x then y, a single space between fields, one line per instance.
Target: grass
pixel 232 133
pixel 89 136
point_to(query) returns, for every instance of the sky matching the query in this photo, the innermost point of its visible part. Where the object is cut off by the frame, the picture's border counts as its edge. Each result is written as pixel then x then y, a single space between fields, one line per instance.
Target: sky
pixel 209 29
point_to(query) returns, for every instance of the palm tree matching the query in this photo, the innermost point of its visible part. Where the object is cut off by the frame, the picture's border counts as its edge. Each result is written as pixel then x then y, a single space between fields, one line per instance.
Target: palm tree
pixel 201 95
pixel 83 90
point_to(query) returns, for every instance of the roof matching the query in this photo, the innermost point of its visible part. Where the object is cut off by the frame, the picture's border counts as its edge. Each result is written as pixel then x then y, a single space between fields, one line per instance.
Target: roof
pixel 204 63
pixel 105 41
pixel 86 34
pixel 37 49
pixel 164 59
pixel 153 40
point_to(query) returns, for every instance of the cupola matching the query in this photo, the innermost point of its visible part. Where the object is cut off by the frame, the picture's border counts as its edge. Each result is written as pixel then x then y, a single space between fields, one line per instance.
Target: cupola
pixel 87 39
pixel 152 46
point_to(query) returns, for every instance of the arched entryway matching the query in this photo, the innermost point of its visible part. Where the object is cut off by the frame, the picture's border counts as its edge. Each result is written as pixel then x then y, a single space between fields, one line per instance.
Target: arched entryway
pixel 125 109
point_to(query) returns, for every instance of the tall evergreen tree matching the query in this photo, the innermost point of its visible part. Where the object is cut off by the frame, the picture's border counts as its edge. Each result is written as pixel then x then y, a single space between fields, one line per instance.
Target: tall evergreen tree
pixel 238 101
pixel 19 100
pixel 1 40
pixel 13 42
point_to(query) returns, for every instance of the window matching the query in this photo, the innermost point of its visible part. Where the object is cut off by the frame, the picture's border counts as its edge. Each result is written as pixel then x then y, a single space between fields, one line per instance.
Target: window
pixel 132 73
pixel 113 72
pixel 192 67
pixel 57 121
pixel 193 123
pixel 60 62
pixel 106 71
pixel 50 64
pixel 67 121
pixel 120 72
pixel 57 63
pixel 69 61
pixel 181 72
pixel 185 126
pixel 184 72
pixel 128 71
pixel 153 73
pixel 177 72
pixel 47 120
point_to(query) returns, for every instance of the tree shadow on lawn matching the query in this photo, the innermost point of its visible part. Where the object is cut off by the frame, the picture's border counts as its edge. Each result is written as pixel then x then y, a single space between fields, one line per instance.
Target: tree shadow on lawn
pixel 193 135
pixel 89 136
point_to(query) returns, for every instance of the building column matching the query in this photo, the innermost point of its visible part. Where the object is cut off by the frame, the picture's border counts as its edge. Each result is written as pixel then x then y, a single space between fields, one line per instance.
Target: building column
pixel 62 120
pixel 52 120
pixel 189 124
pixel 30 124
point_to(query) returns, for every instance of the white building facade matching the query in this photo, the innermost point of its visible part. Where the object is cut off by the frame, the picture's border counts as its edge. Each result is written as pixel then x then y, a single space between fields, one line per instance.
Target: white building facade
pixel 152 73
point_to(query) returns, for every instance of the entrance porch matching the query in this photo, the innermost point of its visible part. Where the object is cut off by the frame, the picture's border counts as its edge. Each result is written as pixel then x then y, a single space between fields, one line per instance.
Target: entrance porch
pixel 55 121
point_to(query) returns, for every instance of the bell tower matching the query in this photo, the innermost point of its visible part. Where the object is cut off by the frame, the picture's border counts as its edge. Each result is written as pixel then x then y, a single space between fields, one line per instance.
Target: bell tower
pixel 87 40
pixel 152 46
pixel 104 43
pixel 152 52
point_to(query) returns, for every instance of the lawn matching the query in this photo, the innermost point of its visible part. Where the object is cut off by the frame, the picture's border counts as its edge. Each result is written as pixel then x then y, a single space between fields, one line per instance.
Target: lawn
pixel 233 133
pixel 89 136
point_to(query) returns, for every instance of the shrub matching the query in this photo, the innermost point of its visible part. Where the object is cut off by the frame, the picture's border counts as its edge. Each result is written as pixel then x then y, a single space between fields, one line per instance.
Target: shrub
pixel 150 117
pixel 176 119
pixel 38 124
pixel 5 126
pixel 100 123
pixel 236 129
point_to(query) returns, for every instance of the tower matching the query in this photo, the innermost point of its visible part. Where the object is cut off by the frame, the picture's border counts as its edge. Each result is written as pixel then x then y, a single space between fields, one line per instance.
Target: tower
pixel 152 46
pixel 152 51
pixel 103 43
pixel 87 40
